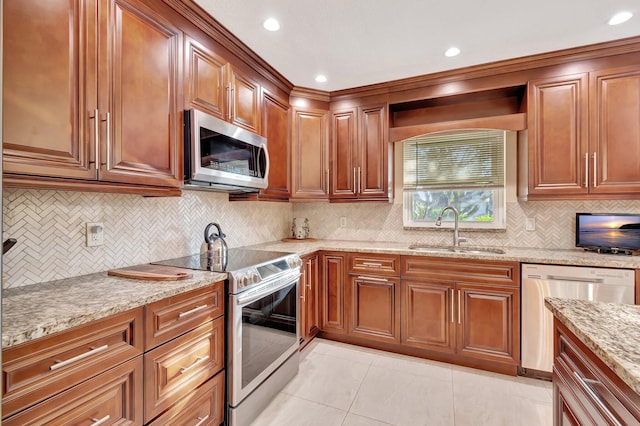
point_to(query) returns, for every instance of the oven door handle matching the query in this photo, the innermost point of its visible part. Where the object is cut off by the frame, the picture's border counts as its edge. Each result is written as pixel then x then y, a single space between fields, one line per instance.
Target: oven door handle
pixel 243 300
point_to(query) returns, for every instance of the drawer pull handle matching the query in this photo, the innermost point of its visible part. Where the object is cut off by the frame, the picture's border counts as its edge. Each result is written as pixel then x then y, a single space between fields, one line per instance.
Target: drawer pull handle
pixel 192 311
pixel 584 383
pixel 60 364
pixel 201 420
pixel 382 280
pixel 372 265
pixel 97 422
pixel 199 360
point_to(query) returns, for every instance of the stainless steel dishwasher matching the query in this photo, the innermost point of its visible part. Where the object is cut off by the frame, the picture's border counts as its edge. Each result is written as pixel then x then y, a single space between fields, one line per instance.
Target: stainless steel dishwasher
pixel 569 282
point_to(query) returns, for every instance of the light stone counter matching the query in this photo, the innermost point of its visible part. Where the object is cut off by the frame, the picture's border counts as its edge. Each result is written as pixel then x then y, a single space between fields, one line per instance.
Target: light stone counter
pixel 38 310
pixel 576 257
pixel 610 330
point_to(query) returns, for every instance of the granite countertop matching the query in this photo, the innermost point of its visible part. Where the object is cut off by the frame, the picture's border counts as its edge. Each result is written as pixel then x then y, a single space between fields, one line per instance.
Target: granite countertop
pixel 38 310
pixel 577 257
pixel 610 330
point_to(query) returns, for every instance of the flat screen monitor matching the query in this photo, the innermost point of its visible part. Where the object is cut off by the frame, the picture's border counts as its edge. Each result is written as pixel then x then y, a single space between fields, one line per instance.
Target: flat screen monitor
pixel 608 231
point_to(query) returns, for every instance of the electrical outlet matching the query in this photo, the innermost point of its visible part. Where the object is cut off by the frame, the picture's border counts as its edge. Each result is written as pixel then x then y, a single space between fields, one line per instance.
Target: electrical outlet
pixel 530 224
pixel 95 234
pixel 343 222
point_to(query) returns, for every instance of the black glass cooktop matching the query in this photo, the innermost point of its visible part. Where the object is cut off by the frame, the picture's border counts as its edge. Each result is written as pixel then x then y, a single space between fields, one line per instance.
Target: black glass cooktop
pixel 238 258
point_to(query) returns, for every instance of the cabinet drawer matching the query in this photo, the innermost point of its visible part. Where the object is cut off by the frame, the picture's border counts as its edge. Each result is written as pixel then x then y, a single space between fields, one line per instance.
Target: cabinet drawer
pixel 115 397
pixel 205 406
pixel 170 317
pixel 462 270
pixel 177 367
pixel 604 396
pixel 41 368
pixel 374 263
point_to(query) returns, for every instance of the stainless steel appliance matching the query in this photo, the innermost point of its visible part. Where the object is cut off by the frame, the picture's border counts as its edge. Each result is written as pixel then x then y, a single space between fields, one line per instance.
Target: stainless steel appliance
pixel 263 327
pixel 222 156
pixel 215 248
pixel 570 282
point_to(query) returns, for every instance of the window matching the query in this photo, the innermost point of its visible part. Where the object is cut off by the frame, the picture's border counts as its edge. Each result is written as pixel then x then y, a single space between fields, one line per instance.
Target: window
pixel 464 169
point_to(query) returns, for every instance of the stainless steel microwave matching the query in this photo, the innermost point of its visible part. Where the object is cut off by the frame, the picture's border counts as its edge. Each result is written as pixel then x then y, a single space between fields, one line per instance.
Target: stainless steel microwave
pixel 222 156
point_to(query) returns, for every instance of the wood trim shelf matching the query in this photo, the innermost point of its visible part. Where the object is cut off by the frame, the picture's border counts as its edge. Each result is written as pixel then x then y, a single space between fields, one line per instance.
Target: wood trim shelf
pixel 513 122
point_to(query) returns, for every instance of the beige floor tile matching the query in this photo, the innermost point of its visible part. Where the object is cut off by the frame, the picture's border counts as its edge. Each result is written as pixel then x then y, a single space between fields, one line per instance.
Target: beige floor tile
pixel 413 365
pixel 356 420
pixel 288 410
pixel 402 398
pixel 328 380
pixel 347 352
pixel 474 381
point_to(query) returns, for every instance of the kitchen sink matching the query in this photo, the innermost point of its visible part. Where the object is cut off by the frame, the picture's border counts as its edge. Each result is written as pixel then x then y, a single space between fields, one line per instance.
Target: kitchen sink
pixel 450 249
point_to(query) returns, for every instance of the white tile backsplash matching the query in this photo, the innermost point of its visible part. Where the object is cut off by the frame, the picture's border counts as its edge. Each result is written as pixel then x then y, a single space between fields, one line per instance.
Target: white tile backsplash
pixel 50 227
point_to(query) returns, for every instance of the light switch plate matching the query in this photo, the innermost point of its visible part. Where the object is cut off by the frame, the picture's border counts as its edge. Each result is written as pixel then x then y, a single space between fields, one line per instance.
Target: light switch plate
pixel 530 224
pixel 343 222
pixel 95 234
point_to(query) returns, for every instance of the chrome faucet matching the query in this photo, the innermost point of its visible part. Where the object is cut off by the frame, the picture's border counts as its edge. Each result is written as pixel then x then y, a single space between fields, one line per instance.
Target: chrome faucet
pixel 456 235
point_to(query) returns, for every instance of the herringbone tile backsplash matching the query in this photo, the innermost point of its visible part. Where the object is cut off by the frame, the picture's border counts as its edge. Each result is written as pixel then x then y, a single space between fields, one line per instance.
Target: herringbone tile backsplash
pixel 50 227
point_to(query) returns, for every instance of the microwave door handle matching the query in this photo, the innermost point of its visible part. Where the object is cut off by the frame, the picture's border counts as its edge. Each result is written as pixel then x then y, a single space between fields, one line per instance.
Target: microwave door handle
pixel 266 156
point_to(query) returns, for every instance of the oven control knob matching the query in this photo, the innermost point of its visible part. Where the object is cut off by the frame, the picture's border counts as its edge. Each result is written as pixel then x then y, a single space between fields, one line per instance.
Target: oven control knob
pixel 254 277
pixel 242 280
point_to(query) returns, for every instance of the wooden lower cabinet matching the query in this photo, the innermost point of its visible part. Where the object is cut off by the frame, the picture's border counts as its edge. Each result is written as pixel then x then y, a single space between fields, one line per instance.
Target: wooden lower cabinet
pixel 174 369
pixel 375 307
pixel 427 315
pixel 462 311
pixel 585 390
pixel 309 320
pixel 204 407
pixel 488 322
pixel 113 397
pixel 332 292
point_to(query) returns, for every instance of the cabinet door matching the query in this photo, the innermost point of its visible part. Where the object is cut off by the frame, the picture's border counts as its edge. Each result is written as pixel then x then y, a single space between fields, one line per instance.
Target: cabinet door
pixel 488 322
pixel 332 291
pixel 373 147
pixel 179 366
pixel 344 166
pixel 113 397
pixel 139 74
pixel 276 128
pixel 615 130
pixel 309 303
pixel 428 315
pixel 206 79
pixel 558 135
pixel 49 94
pixel 375 307
pixel 245 101
pixel 310 154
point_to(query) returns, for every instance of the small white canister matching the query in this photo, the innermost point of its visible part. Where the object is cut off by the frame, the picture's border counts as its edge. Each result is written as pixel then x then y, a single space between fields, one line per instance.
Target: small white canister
pixel 300 228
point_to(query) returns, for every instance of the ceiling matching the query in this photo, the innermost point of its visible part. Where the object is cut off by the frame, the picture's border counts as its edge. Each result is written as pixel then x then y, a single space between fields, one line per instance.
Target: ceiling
pixel 361 42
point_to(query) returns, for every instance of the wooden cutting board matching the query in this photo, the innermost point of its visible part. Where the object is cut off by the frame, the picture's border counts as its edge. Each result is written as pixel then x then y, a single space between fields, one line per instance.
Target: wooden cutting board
pixel 152 272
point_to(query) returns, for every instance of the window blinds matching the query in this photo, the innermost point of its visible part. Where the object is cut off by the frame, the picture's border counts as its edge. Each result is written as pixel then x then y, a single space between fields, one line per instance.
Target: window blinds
pixel 470 159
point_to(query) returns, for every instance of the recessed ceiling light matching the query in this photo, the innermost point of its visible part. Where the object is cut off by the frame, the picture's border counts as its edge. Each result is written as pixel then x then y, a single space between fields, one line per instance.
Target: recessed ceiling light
pixel 619 18
pixel 321 78
pixel 271 24
pixel 452 51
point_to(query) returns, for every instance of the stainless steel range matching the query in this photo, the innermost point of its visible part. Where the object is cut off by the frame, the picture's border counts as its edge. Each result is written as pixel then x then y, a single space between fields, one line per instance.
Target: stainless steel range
pixel 262 325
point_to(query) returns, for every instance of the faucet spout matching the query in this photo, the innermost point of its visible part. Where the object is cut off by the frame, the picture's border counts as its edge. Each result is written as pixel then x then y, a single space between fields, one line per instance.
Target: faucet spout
pixel 456 235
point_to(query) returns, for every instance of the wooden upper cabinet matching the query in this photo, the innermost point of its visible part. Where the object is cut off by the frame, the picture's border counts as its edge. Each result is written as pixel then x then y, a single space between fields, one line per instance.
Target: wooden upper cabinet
pixel 615 130
pixel 310 154
pixel 47 101
pixel 276 128
pixel 360 153
pixel 91 92
pixel 584 135
pixel 245 101
pixel 139 75
pixel 206 79
pixel 558 135
pixel 344 166
pixel 373 149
